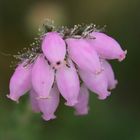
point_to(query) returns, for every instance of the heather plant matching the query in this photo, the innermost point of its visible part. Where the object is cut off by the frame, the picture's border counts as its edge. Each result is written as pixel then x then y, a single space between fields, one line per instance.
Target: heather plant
pixel 66 62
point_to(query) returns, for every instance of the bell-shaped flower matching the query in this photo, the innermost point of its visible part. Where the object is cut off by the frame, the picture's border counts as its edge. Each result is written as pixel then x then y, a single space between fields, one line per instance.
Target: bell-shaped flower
pixel 106 46
pixel 49 105
pixel 96 83
pixel 84 55
pixel 20 82
pixel 42 77
pixel 82 106
pixel 112 82
pixel 34 101
pixel 54 48
pixel 68 83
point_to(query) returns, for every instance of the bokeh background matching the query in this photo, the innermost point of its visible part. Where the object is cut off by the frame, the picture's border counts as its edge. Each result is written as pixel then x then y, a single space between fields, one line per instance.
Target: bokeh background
pixel 118 117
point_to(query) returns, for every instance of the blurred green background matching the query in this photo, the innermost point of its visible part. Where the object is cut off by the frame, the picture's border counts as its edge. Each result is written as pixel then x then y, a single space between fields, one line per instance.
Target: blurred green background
pixel 118 117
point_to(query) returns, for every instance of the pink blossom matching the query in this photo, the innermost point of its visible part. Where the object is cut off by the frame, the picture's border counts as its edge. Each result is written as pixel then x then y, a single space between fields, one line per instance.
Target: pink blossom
pixel 84 55
pixel 68 83
pixel 42 77
pixel 83 99
pixel 68 62
pixel 96 83
pixel 112 82
pixel 20 82
pixel 106 46
pixel 54 48
pixel 48 106
pixel 34 101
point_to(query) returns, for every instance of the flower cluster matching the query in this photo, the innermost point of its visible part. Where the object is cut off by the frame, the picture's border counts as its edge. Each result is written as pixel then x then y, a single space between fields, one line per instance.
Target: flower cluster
pixel 68 62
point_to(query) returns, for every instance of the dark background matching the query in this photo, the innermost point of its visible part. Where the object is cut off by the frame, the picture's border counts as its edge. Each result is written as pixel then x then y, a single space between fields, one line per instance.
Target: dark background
pixel 118 117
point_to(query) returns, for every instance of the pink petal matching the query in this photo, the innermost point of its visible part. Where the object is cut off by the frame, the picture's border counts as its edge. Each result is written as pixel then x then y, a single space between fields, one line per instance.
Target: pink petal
pixel 48 106
pixel 106 46
pixel 42 77
pixel 96 83
pixel 112 82
pixel 54 47
pixel 84 55
pixel 33 101
pixel 68 83
pixel 20 82
pixel 82 106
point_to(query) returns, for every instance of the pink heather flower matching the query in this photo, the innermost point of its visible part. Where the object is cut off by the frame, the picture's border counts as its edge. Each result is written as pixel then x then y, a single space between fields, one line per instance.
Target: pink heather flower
pixel 83 99
pixel 34 101
pixel 54 48
pixel 84 55
pixel 112 82
pixel 68 83
pixel 106 47
pixel 48 106
pixel 20 82
pixel 96 83
pixel 42 77
pixel 67 62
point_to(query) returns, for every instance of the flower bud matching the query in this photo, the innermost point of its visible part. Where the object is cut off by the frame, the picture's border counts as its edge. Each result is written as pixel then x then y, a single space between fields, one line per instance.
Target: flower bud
pixel 54 48
pixel 112 82
pixel 82 106
pixel 106 47
pixel 84 55
pixel 33 101
pixel 96 83
pixel 48 106
pixel 42 77
pixel 68 83
pixel 20 82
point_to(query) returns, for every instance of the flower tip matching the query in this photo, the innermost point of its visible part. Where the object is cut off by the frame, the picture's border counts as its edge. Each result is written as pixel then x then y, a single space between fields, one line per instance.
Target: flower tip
pixel 12 98
pixel 122 56
pixel 104 96
pixel 81 112
pixel 71 103
pixel 48 117
pixel 114 86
